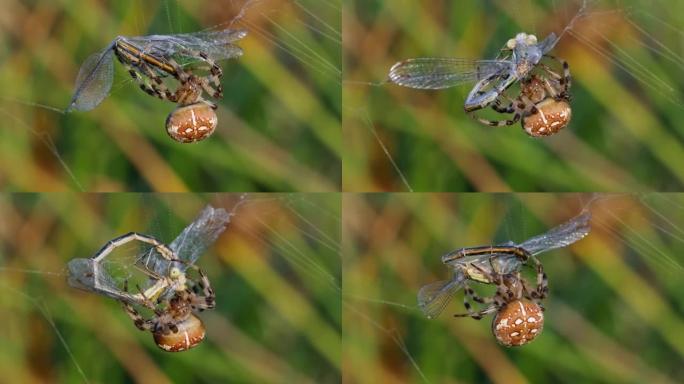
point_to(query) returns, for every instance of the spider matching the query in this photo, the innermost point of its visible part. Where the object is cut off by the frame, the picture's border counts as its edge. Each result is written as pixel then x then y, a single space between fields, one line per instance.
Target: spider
pixel 175 326
pixel 519 312
pixel 542 107
pixel 194 118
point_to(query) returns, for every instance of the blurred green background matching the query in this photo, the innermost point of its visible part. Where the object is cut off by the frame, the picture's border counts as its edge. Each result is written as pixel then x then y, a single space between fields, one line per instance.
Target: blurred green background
pixel 626 58
pixel 615 311
pixel 279 121
pixel 275 271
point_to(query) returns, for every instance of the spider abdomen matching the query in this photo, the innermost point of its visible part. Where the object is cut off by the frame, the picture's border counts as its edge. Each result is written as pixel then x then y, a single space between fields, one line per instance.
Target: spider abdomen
pixel 190 332
pixel 518 323
pixel 190 123
pixel 551 116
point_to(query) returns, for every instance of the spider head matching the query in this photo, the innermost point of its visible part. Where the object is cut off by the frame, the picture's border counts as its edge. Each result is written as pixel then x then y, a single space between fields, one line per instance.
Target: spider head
pixel 517 323
pixel 534 89
pixel 185 335
pixel 190 123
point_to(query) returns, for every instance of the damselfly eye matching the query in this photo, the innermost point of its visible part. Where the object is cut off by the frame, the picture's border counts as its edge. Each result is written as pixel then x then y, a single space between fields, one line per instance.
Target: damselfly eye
pixel 189 334
pixel 510 44
pixel 518 323
pixel 190 123
pixel 531 39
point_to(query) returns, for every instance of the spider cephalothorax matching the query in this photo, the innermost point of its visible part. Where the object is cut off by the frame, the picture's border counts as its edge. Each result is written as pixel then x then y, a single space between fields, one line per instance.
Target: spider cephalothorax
pixel 519 313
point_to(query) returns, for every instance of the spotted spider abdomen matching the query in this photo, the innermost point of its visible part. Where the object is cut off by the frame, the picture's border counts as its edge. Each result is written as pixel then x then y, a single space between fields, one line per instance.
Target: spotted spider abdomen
pixel 190 123
pixel 518 323
pixel 552 116
pixel 190 333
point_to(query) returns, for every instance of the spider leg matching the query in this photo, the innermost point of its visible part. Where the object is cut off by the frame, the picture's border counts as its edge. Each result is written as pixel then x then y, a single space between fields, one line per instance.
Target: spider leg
pixel 158 84
pixel 208 298
pixel 147 88
pixel 529 294
pixel 497 107
pixel 467 295
pixel 140 322
pixel 515 106
pixel 475 297
pixel 215 93
pixel 479 314
pixel 215 74
pixel 566 80
pixel 542 288
pixel 191 86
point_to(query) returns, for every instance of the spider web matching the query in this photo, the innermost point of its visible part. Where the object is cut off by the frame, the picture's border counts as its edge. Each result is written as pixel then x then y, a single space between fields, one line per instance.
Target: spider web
pixel 392 246
pixel 293 29
pixel 638 45
pixel 276 266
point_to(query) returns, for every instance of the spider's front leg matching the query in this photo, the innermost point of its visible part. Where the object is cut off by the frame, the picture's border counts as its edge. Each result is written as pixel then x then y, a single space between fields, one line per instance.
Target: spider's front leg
pixel 147 88
pixel 140 322
pixel 499 109
pixel 208 298
pixel 542 289
pixel 469 293
pixel 215 74
pixel 157 84
pixel 479 314
pixel 516 106
pixel 565 80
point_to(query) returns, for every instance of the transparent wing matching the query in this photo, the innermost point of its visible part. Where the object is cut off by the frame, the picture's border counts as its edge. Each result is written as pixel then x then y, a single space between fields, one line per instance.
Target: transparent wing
pixel 548 43
pixel 87 275
pixel 215 44
pixel 560 236
pixel 434 297
pixel 94 81
pixel 503 264
pixel 439 73
pixel 195 239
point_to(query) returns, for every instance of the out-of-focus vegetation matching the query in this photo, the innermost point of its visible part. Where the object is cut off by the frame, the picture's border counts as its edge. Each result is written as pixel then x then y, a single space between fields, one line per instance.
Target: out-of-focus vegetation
pixel 626 59
pixel 279 120
pixel 614 314
pixel 275 271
